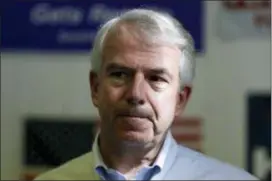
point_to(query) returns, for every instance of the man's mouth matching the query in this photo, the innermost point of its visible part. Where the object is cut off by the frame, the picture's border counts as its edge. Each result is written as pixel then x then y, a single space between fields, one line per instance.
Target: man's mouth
pixel 134 122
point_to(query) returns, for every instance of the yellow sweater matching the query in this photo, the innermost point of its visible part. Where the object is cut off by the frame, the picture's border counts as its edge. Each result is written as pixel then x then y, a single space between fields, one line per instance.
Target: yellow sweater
pixel 80 168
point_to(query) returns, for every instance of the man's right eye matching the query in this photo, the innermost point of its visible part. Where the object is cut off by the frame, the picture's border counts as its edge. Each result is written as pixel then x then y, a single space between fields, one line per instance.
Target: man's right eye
pixel 118 74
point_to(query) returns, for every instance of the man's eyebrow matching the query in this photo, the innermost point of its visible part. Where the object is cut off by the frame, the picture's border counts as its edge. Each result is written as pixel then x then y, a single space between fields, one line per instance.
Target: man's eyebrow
pixel 160 71
pixel 115 66
pixel 156 70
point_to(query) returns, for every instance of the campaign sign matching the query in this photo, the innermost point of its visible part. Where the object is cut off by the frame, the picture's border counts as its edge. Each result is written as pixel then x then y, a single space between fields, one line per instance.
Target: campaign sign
pixel 72 25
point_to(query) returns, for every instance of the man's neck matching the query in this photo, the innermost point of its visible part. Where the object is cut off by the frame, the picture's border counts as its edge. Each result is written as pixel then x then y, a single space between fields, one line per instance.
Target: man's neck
pixel 125 159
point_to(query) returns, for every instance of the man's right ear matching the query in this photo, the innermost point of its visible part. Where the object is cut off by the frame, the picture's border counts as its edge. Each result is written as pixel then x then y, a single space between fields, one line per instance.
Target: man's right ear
pixel 94 83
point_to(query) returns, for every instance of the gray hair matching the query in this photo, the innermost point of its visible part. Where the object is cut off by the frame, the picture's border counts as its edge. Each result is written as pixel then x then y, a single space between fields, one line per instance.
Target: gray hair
pixel 157 27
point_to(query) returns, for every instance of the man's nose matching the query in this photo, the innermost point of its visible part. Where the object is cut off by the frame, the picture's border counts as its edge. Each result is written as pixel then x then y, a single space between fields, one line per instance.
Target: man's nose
pixel 136 91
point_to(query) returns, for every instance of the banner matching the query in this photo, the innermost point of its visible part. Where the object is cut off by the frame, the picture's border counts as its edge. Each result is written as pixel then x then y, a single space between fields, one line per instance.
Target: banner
pixel 244 19
pixel 71 25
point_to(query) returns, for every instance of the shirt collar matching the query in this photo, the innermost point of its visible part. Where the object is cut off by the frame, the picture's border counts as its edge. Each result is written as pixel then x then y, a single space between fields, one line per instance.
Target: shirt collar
pixel 97 155
pixel 160 160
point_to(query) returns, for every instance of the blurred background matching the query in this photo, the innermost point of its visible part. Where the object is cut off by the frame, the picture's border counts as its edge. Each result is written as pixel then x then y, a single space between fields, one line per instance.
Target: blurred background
pixel 47 116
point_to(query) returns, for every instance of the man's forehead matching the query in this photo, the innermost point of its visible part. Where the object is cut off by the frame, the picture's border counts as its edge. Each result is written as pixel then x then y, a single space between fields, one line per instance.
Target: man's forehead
pixel 125 45
pixel 149 57
pixel 132 40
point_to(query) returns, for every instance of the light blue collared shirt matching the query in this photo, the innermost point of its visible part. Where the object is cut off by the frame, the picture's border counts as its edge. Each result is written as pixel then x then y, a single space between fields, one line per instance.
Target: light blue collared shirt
pixel 176 162
pixel 146 173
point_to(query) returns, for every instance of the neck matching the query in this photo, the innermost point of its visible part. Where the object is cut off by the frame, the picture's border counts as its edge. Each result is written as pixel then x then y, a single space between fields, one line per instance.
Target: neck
pixel 128 159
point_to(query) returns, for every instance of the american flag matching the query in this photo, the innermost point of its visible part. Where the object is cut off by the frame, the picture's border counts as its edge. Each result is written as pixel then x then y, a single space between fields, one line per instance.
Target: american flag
pixel 187 131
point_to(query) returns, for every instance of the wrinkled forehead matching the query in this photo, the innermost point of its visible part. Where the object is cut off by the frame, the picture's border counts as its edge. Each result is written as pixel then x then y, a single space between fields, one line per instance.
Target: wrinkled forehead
pixel 128 36
pixel 125 48
pixel 125 44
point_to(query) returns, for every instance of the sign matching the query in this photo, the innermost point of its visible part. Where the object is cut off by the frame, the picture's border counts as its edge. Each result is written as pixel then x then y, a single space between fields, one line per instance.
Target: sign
pixel 244 19
pixel 71 25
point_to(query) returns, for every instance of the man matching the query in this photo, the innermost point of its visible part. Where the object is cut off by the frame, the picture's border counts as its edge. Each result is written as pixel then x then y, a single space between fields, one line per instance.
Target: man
pixel 141 78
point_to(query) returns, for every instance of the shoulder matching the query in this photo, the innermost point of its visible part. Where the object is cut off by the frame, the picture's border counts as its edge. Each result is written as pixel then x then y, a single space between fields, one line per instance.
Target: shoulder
pixel 204 167
pixel 77 168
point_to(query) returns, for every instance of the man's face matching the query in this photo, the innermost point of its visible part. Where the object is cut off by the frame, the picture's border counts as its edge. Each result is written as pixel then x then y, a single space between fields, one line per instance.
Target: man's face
pixel 137 90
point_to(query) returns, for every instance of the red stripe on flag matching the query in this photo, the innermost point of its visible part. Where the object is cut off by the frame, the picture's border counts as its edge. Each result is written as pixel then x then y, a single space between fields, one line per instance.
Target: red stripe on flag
pixel 188 137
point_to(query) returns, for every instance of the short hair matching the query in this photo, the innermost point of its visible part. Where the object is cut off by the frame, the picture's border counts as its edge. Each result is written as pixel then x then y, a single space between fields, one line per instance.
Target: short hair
pixel 153 24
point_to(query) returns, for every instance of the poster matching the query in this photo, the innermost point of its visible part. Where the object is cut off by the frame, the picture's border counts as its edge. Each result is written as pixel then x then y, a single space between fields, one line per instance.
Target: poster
pixel 244 19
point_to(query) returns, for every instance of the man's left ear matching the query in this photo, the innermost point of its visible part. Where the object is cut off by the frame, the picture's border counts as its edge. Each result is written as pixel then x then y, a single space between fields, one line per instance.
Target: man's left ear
pixel 183 97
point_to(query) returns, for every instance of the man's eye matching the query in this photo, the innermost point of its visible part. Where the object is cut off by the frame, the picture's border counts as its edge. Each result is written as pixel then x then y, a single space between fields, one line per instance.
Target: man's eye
pixel 158 82
pixel 155 78
pixel 118 74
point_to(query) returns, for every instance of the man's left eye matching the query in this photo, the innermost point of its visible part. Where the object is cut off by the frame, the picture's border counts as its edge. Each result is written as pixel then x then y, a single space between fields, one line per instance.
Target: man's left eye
pixel 155 78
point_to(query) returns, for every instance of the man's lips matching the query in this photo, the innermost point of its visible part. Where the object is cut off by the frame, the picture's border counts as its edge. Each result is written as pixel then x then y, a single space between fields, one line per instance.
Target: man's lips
pixel 135 114
pixel 134 122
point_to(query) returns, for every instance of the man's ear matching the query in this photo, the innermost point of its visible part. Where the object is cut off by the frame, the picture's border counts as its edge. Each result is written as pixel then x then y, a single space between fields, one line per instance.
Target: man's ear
pixel 182 99
pixel 94 84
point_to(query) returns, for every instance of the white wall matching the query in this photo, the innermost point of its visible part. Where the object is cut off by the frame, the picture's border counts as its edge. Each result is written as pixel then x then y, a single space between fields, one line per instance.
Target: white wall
pixel 58 84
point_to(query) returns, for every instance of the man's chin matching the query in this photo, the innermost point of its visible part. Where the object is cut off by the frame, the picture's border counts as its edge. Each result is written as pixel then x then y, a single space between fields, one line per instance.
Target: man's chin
pixel 135 138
